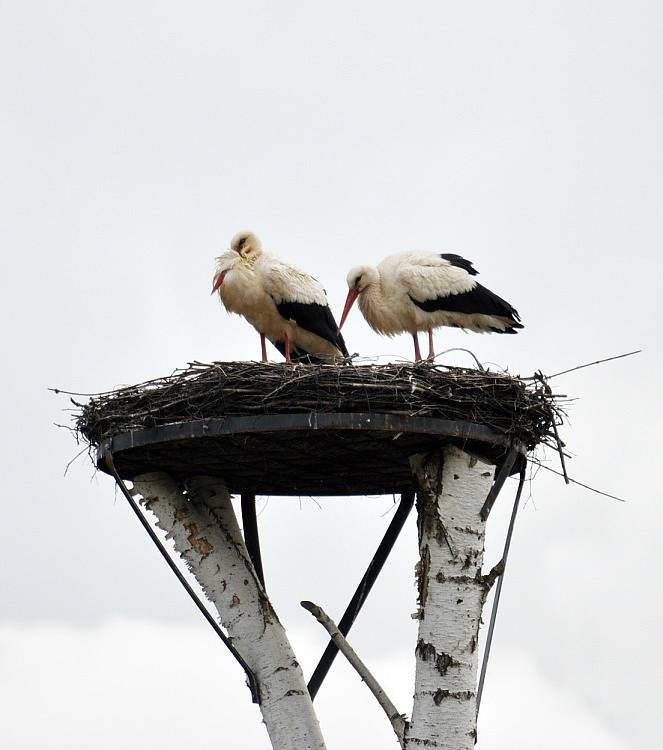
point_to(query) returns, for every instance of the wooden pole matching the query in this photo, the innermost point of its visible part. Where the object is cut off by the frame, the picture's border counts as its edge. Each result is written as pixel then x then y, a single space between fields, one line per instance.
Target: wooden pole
pixel 204 529
pixel 452 490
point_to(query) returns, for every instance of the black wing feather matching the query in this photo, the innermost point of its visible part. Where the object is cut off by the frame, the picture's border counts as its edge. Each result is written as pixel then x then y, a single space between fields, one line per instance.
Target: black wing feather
pixel 315 318
pixel 460 262
pixel 477 301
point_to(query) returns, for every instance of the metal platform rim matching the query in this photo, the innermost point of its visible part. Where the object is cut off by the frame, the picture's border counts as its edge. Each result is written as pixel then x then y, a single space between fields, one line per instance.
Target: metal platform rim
pixel 298 422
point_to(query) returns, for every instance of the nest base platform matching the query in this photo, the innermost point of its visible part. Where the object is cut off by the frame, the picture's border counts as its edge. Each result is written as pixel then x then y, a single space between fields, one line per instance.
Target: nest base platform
pixel 322 454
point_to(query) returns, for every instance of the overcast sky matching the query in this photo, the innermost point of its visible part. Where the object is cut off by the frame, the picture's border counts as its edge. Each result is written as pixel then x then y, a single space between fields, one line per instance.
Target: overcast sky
pixel 137 138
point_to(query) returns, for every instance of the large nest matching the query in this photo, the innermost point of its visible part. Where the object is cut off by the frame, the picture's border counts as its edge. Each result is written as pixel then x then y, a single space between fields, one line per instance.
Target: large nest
pixel 521 410
pixel 243 422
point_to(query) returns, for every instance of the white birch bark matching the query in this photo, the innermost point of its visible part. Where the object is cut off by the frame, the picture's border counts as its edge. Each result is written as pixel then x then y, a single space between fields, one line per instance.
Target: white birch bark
pixel 452 490
pixel 206 534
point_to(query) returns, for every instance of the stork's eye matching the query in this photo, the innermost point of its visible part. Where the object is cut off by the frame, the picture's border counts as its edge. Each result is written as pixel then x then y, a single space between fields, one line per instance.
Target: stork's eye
pixel 241 243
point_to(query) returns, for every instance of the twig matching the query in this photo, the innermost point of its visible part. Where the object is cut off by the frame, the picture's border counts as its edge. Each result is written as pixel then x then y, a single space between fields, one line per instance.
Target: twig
pixel 559 443
pixel 496 571
pixel 460 349
pixel 397 720
pixel 575 481
pixel 591 364
pixel 560 450
pixel 80 453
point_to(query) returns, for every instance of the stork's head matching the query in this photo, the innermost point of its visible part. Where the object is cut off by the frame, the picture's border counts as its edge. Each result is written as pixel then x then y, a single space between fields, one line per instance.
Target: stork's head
pixel 359 279
pixel 246 244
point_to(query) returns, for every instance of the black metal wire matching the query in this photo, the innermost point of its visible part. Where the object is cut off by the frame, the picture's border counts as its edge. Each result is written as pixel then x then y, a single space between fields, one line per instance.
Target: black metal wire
pixel 498 589
pixel 253 684
pixel 363 590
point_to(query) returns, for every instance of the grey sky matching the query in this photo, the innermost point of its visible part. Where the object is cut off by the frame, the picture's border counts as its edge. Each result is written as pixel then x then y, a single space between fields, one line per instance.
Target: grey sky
pixel 138 137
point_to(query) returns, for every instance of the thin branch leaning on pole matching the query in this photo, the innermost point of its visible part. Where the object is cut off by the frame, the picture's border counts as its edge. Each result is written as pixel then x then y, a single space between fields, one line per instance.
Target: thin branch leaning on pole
pixel 396 719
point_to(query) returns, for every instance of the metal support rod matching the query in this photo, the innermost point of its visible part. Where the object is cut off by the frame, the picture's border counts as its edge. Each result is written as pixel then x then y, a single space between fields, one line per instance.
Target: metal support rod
pixel 498 590
pixel 253 684
pixel 364 588
pixel 251 538
pixel 501 477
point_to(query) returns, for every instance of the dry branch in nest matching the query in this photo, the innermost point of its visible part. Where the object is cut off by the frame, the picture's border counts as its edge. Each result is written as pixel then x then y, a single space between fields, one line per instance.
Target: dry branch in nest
pixel 524 411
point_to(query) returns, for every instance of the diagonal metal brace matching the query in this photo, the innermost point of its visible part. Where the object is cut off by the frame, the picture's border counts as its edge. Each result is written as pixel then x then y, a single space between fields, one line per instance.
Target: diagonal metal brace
pixel 251 538
pixel 502 476
pixel 364 588
pixel 498 590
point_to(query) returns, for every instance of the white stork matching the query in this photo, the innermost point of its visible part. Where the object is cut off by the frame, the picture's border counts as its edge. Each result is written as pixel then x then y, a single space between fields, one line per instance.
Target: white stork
pixel 283 303
pixel 419 291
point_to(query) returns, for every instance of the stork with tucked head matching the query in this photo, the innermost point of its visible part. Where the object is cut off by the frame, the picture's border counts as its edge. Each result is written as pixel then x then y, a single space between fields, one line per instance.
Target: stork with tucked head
pixel 283 303
pixel 246 245
pixel 420 291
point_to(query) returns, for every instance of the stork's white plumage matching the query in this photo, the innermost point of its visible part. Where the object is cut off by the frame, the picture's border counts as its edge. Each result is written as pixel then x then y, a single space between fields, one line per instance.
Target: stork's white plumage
pixel 283 303
pixel 419 291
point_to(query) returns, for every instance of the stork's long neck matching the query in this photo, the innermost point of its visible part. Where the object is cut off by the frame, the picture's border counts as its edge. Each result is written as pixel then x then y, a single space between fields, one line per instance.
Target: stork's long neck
pixel 251 258
pixel 373 303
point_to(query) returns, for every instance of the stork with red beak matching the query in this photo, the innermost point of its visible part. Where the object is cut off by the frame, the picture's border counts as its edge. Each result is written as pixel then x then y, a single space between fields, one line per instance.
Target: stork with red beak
pixel 283 303
pixel 420 291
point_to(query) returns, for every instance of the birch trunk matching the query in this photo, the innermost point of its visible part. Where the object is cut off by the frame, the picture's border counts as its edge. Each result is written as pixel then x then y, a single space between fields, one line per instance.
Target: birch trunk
pixel 452 490
pixel 206 534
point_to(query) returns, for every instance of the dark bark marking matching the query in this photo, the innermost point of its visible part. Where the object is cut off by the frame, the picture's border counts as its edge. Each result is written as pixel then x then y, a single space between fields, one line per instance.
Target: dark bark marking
pixel 460 695
pixel 443 662
pixel 468 530
pixel 426 652
pixel 441 578
pixel 268 613
pixel 200 544
pixel 422 572
pixel 429 479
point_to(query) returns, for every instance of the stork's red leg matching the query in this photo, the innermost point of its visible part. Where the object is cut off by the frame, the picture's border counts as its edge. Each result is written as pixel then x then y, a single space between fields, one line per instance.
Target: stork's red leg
pixel 287 349
pixel 263 347
pixel 431 350
pixel 417 352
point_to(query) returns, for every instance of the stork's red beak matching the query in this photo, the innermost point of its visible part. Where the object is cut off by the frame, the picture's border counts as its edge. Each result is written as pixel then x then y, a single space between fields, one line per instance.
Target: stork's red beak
pixel 350 300
pixel 218 280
